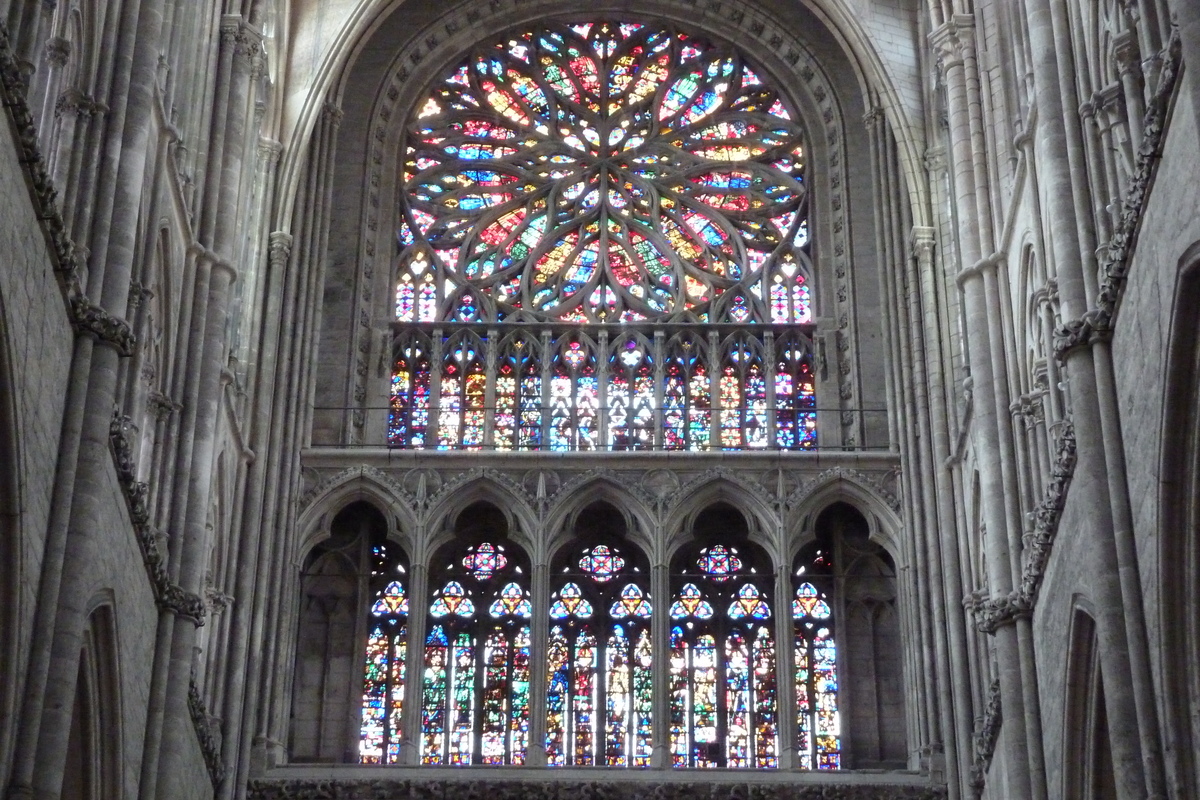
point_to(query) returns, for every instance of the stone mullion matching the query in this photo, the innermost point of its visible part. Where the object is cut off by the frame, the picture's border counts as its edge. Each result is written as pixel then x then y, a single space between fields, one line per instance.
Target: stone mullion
pixel 491 345
pixel 660 633
pixel 547 363
pixel 436 367
pixel 785 666
pixel 769 367
pixel 603 383
pixel 660 377
pixel 540 631
pixel 418 613
pixel 714 390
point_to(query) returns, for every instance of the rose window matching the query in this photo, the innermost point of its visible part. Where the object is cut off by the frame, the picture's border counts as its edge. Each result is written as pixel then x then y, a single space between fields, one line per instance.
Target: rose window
pixel 568 190
pixel 603 172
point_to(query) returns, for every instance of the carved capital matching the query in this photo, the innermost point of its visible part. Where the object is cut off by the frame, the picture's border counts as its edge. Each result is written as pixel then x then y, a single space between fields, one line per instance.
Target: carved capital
pixel 996 612
pixel 922 242
pixel 954 41
pixel 183 603
pixel 1094 326
pixel 91 320
pixel 1126 55
pixel 58 51
pixel 333 113
pixel 280 248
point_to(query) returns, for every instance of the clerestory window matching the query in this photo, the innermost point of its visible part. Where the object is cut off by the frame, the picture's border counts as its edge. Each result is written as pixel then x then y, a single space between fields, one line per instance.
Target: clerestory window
pixel 603 245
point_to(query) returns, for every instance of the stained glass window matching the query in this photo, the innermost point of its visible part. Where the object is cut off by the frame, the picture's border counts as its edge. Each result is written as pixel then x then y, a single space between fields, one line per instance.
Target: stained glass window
pixel 723 685
pixel 599 687
pixel 475 685
pixel 385 667
pixel 590 174
pixel 818 721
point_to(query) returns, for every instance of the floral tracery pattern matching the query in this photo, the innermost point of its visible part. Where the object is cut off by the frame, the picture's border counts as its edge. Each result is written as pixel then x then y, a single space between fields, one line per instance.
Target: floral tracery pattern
pixel 603 172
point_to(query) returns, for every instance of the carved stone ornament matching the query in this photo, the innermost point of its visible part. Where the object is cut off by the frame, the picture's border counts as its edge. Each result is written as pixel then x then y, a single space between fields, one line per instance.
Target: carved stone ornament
pixel 499 789
pixel 1115 257
pixel 168 595
pixel 987 733
pixel 207 734
pixel 992 613
pixel 90 319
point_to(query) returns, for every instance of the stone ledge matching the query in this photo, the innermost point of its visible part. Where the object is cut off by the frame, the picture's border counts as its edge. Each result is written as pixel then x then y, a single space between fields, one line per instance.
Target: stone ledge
pixel 517 783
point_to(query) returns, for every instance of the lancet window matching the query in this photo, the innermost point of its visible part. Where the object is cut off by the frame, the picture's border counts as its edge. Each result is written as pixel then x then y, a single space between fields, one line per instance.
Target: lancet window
pixel 386 663
pixel 599 695
pixel 818 721
pixel 563 181
pixel 724 690
pixel 475 687
pixel 468 673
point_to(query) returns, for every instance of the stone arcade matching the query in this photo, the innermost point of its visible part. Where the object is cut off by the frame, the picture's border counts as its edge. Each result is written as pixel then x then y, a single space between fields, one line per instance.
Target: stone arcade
pixel 683 398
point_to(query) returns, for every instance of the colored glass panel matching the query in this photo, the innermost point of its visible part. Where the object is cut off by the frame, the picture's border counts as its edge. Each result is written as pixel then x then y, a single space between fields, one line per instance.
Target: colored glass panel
pixel 476 192
pixel 719 562
pixel 818 723
pixel 602 563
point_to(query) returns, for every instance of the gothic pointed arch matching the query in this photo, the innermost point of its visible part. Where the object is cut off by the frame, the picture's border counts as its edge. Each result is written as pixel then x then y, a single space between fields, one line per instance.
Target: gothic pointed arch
pixel 341 710
pixel 599 695
pixel 475 700
pixel 846 625
pixel 724 690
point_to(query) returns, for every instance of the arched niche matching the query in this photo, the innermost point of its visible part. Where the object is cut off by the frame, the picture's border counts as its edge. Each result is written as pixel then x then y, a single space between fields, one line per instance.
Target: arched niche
pixel 332 632
pixel 857 579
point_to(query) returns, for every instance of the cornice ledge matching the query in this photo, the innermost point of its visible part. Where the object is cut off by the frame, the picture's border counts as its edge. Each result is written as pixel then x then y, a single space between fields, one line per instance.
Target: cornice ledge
pixel 496 789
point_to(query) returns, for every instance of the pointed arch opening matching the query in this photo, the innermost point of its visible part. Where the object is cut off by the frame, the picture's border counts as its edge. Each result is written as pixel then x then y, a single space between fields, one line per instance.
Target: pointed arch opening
pixel 475 700
pixel 724 690
pixel 599 695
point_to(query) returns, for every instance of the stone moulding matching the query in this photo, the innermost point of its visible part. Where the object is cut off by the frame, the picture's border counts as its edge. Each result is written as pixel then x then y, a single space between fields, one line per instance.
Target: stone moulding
pixel 210 744
pixel 167 594
pixel 384 789
pixel 992 613
pixel 1117 253
pixel 86 317
pixel 987 733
